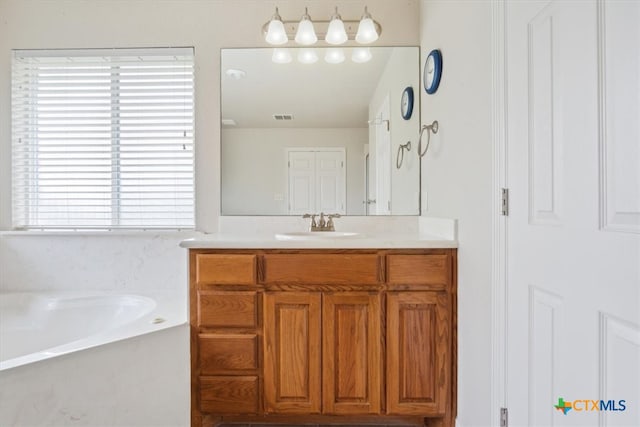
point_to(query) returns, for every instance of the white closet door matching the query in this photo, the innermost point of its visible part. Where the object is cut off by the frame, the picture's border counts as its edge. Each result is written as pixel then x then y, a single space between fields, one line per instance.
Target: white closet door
pixel 317 181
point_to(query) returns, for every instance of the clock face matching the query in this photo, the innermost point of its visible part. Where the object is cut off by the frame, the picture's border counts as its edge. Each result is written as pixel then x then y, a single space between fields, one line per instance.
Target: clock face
pixel 430 71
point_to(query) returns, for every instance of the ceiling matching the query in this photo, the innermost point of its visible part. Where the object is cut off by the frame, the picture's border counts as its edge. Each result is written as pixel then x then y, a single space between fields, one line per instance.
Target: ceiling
pixel 318 95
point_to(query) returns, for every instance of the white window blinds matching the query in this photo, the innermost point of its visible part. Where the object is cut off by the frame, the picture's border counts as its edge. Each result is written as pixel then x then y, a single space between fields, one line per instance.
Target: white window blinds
pixel 103 138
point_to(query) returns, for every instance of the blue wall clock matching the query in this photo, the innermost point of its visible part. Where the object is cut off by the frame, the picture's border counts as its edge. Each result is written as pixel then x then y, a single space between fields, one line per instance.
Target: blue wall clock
pixel 432 71
pixel 406 103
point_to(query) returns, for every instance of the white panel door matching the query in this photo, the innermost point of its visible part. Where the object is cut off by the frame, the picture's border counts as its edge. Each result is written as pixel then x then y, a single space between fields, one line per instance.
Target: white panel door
pixel 302 182
pixel 317 181
pixel 573 249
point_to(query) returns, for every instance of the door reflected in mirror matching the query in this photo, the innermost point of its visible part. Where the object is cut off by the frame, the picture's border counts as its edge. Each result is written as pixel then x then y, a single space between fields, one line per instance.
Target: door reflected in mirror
pixel 304 137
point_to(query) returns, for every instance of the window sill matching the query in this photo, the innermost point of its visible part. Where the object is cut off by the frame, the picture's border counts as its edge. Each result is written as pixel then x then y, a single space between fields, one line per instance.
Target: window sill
pixel 102 233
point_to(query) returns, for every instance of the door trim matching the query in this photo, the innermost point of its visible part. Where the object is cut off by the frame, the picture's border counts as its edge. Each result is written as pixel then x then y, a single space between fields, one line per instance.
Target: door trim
pixel 499 117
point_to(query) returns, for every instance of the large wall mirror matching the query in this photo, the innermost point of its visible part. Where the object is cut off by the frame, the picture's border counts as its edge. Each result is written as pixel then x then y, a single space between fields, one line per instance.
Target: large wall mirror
pixel 319 130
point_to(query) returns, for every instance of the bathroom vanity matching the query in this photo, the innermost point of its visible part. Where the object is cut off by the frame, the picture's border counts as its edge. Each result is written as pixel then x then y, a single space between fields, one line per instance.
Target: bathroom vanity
pixel 309 333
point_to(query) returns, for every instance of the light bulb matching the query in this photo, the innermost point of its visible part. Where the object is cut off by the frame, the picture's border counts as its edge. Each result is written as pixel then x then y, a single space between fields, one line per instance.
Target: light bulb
pixel 276 33
pixel 361 54
pixel 336 33
pixel 281 55
pixel 367 32
pixel 307 56
pixel 334 55
pixel 306 34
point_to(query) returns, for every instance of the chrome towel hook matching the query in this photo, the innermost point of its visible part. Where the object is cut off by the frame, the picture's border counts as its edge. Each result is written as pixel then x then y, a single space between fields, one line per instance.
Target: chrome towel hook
pixel 432 128
pixel 400 155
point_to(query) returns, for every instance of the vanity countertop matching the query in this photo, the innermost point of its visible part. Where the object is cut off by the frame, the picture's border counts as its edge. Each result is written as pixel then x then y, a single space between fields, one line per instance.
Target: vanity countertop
pixel 365 241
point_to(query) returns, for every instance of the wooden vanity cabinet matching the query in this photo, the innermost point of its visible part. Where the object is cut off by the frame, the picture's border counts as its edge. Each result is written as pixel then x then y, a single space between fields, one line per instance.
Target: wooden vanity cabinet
pixel 323 336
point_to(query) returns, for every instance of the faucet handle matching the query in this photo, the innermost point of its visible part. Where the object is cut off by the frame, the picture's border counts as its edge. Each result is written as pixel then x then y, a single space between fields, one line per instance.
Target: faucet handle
pixel 313 219
pixel 313 224
pixel 330 225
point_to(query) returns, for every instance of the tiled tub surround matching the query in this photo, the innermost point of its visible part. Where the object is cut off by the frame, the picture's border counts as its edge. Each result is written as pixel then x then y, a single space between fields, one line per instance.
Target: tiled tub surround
pixel 114 261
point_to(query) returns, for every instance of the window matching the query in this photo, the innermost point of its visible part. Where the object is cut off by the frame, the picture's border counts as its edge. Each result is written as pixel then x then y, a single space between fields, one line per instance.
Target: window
pixel 103 139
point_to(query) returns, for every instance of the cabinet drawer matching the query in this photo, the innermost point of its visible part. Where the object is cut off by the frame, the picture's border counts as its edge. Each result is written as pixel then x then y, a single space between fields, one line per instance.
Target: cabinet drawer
pixel 227 309
pixel 227 353
pixel 229 394
pixel 329 269
pixel 225 269
pixel 418 269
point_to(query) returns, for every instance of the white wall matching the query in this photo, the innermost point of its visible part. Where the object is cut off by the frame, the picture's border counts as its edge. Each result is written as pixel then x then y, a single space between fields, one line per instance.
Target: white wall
pixel 394 79
pixel 457 179
pixel 255 167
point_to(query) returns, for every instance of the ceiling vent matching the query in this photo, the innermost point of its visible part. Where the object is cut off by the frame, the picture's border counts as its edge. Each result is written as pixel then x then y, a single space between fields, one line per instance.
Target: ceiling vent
pixel 283 117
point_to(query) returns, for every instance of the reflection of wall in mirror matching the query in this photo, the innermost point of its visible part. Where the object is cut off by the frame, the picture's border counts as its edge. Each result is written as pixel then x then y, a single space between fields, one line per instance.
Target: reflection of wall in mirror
pixel 405 185
pixel 254 171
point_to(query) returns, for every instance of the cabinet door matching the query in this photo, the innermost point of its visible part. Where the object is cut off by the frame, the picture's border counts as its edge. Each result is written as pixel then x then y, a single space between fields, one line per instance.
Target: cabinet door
pixel 292 352
pixel 351 353
pixel 418 349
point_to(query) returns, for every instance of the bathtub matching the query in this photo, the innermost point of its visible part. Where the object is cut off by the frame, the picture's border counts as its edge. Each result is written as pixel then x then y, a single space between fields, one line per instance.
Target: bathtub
pixel 94 359
pixel 39 326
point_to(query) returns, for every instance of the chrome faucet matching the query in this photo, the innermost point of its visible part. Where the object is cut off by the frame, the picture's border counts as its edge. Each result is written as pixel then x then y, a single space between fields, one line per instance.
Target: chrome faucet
pixel 322 224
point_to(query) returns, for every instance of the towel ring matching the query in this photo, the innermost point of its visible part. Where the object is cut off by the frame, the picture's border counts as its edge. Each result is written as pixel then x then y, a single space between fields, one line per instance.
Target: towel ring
pixel 432 128
pixel 400 155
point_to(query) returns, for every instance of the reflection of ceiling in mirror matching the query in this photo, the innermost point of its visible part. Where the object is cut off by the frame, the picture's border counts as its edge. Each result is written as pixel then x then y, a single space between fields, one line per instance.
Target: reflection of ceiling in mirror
pixel 318 95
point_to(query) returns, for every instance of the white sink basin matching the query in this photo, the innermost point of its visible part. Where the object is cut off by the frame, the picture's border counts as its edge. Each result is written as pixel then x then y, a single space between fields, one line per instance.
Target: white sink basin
pixel 316 235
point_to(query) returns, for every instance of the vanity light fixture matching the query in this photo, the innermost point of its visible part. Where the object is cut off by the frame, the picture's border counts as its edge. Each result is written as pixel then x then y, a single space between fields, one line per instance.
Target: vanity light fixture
pixel 306 33
pixel 361 55
pixel 281 55
pixel 335 31
pixel 307 56
pixel 276 33
pixel 367 32
pixel 336 34
pixel 334 55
